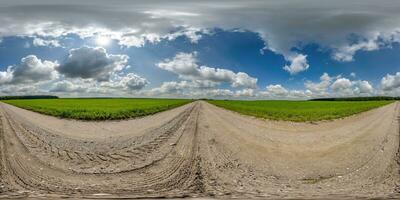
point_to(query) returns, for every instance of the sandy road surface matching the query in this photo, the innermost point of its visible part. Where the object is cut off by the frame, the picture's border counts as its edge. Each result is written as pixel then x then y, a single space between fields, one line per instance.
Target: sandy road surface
pixel 199 150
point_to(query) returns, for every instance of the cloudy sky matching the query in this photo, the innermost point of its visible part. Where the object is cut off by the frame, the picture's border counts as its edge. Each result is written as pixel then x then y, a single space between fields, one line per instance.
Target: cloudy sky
pixel 287 49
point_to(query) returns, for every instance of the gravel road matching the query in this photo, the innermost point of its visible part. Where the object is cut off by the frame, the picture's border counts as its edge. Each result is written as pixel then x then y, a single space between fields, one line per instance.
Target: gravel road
pixel 200 151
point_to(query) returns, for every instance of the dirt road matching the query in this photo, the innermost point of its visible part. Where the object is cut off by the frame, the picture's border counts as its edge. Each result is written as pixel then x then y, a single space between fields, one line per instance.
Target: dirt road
pixel 199 150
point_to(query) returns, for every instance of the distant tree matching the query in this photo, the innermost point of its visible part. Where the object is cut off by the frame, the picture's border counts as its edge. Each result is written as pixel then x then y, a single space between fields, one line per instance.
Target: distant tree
pixel 28 97
pixel 375 98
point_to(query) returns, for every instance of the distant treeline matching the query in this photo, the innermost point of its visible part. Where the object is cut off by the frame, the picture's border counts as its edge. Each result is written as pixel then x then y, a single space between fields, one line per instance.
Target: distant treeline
pixel 28 97
pixel 377 98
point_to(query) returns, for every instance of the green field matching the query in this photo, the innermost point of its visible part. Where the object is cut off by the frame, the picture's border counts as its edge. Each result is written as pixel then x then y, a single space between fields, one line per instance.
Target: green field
pixel 98 109
pixel 112 109
pixel 299 111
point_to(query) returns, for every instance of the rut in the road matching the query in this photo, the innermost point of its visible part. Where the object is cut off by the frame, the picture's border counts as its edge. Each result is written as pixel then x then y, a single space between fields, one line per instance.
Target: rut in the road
pixel 200 150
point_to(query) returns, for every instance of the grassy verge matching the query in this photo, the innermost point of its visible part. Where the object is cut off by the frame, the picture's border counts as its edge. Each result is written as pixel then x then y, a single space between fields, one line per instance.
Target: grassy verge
pixel 98 109
pixel 299 111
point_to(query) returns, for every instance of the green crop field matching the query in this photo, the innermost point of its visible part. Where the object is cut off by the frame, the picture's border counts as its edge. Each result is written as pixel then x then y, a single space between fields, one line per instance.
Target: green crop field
pixel 98 109
pixel 299 111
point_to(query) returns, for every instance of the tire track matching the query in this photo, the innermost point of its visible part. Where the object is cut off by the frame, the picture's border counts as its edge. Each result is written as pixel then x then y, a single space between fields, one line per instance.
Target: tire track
pixel 354 157
pixel 205 151
pixel 128 152
pixel 176 171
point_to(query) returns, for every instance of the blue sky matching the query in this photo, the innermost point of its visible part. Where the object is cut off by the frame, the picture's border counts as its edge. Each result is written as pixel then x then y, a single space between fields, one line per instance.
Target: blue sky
pixel 259 50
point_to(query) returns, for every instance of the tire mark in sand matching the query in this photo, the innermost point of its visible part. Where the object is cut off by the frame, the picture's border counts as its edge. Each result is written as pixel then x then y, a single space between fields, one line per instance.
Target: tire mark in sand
pixel 203 151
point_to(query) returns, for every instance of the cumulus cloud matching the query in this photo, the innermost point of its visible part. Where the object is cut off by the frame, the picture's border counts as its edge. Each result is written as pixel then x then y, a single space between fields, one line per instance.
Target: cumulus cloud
pixel 20 90
pixel 298 64
pixel 390 82
pixel 134 82
pixel 67 86
pixel 280 92
pixel 199 89
pixel 213 93
pixel 300 94
pixel 186 66
pixel 342 86
pixel 247 92
pixel 45 42
pixel 30 70
pixel 127 82
pixel 6 76
pixel 35 76
pixel 329 24
pixel 181 87
pixel 345 87
pixel 92 63
pixel 346 52
pixel 183 64
pixel 327 87
pixel 320 88
pixel 170 87
pixel 123 84
pixel 277 90
pixel 363 87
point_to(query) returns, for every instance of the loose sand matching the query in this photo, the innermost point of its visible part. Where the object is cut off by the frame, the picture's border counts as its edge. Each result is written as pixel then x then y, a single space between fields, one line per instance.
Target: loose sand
pixel 199 150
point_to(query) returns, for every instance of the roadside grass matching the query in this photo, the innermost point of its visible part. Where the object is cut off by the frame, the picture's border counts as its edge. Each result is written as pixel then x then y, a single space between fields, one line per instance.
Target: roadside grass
pixel 299 111
pixel 98 109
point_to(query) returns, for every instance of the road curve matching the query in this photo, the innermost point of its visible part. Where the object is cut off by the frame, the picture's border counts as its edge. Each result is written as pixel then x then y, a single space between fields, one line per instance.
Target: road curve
pixel 199 150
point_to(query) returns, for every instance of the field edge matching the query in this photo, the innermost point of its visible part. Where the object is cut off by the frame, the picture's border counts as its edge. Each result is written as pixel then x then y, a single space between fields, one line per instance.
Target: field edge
pixel 300 120
pixel 127 115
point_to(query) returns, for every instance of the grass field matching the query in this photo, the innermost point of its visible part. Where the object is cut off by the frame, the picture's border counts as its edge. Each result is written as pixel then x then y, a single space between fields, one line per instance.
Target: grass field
pixel 98 109
pixel 299 110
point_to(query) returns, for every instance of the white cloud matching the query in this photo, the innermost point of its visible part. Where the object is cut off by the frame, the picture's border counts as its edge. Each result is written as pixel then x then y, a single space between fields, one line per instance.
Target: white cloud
pixel 45 42
pixel 363 87
pixel 92 63
pixel 67 86
pixel 300 94
pixel 35 76
pixel 277 90
pixel 319 89
pixel 171 87
pixel 298 64
pixel 182 87
pixel 345 87
pixel 280 92
pixel 327 87
pixel 194 34
pixel 126 82
pixel 215 93
pixel 242 79
pixel 118 85
pixel 30 70
pixel 186 66
pixel 390 82
pixel 6 76
pixel 299 23
pixel 346 52
pixel 189 89
pixel 134 82
pixel 20 90
pixel 248 92
pixel 342 85
pixel 183 64
pixel 328 25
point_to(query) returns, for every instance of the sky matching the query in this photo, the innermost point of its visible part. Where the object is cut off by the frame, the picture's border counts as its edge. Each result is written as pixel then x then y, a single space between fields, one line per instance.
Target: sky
pixel 287 49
